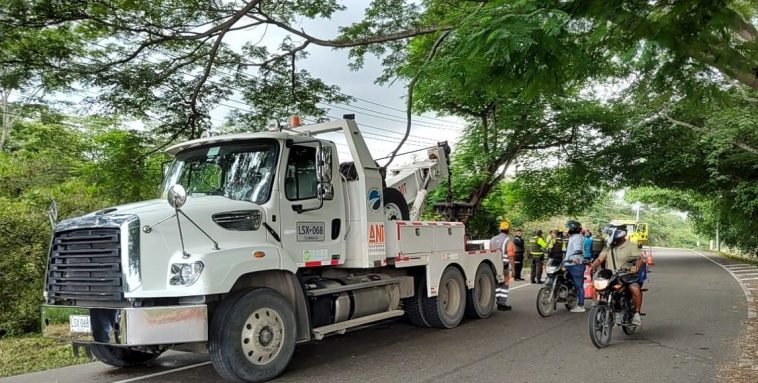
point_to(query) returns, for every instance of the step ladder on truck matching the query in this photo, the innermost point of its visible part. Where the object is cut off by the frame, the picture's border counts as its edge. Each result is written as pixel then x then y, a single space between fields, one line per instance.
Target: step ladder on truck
pixel 264 243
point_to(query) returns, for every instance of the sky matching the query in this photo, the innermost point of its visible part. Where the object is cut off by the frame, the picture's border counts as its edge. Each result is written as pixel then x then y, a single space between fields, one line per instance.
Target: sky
pixel 379 110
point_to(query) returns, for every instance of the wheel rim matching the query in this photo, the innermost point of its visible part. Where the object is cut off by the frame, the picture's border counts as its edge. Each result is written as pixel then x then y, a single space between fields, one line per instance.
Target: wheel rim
pixel 602 325
pixel 546 303
pixel 450 295
pixel 262 336
pixel 392 212
pixel 483 290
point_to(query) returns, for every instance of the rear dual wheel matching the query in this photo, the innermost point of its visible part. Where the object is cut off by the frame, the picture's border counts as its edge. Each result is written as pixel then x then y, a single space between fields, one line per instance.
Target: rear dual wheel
pixel 480 301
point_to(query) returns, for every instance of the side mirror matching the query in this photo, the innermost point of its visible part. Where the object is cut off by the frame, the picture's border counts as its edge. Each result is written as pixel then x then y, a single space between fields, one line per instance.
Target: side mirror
pixel 324 164
pixel 177 196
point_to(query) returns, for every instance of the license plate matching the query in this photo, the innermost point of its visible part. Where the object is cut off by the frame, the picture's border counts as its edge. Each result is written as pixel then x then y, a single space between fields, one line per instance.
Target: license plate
pixel 79 323
pixel 310 231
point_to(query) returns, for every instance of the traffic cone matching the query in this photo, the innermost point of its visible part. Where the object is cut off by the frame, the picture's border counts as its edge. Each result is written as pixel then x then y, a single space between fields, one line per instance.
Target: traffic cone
pixel 589 289
pixel 648 254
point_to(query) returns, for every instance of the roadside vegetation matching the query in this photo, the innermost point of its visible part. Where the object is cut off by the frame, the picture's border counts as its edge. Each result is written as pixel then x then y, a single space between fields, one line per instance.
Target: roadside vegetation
pixel 565 103
pixel 32 352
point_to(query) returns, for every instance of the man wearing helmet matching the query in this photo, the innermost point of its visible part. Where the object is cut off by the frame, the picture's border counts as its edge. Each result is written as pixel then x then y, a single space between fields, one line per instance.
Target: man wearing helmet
pixel 573 262
pixel 621 254
pixel 504 242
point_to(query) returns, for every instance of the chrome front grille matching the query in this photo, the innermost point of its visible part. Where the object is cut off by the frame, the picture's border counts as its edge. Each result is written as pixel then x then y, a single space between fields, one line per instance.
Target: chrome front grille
pixel 85 264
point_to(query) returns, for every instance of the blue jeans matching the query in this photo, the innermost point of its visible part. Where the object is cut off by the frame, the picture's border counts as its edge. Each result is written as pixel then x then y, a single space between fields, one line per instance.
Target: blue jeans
pixel 577 276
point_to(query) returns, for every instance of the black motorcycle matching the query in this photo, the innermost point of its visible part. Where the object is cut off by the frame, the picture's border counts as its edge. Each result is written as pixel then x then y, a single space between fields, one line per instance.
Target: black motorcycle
pixel 557 289
pixel 613 307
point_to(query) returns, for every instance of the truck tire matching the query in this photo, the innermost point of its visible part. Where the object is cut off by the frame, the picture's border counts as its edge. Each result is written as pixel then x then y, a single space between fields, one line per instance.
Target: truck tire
pixel 447 308
pixel 413 306
pixel 252 336
pixel 395 207
pixel 122 356
pixel 480 301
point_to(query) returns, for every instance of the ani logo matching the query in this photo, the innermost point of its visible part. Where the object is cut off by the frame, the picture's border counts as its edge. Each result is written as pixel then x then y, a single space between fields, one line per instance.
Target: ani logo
pixel 374 200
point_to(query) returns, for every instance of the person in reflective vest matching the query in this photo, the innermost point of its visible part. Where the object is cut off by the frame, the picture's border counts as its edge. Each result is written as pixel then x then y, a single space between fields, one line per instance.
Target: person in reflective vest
pixel 537 250
pixel 556 245
pixel 504 242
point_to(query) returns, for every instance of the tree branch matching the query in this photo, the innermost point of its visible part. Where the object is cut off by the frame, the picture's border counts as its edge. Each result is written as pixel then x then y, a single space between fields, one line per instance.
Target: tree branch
pixel 687 125
pixel 409 101
pixel 341 43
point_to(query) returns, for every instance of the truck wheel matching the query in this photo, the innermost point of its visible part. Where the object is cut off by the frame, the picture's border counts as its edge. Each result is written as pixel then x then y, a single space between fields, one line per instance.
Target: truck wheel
pixel 252 336
pixel 447 308
pixel 413 306
pixel 395 207
pixel 480 301
pixel 123 356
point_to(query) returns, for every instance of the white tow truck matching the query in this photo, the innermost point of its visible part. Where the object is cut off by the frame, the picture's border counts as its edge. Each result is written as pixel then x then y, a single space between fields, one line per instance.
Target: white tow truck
pixel 265 241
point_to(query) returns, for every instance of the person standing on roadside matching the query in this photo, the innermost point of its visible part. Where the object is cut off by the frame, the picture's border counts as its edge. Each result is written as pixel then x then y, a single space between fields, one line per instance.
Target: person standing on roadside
pixel 573 262
pixel 518 243
pixel 537 250
pixel 504 242
pixel 555 245
pixel 588 244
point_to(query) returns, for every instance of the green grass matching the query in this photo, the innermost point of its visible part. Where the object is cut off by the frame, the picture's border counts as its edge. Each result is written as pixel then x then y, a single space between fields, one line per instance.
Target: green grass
pixel 753 261
pixel 32 352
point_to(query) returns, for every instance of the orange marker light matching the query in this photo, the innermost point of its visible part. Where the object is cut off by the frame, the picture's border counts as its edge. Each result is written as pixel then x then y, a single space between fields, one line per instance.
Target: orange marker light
pixel 259 254
pixel 295 121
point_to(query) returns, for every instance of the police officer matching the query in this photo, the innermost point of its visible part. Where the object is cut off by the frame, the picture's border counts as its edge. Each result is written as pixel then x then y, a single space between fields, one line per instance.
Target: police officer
pixel 504 242
pixel 518 243
pixel 537 249
pixel 556 245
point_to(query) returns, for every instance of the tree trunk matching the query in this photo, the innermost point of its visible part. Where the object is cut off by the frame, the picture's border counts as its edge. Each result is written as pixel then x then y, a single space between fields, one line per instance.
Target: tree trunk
pixel 7 117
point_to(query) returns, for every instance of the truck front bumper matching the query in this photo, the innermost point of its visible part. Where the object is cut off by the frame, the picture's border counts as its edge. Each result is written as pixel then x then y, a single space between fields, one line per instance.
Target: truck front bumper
pixel 133 326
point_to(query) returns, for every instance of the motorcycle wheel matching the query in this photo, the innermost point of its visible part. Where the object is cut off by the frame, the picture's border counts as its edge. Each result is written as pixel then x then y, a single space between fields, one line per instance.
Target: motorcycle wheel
pixel 545 305
pixel 600 326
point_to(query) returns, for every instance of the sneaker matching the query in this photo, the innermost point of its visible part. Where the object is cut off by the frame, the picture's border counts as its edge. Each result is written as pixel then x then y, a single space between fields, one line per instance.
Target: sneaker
pixel 636 320
pixel 503 307
pixel 578 309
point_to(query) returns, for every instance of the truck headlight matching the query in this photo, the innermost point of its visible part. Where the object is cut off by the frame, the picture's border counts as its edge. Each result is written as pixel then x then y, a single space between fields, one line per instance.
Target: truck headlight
pixel 185 274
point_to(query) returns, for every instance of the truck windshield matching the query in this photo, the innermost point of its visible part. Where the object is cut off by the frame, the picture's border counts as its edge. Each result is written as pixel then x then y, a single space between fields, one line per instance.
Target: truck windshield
pixel 240 171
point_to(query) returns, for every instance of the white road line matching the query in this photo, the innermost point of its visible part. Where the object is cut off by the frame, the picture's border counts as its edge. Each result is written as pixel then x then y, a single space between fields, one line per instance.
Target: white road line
pixel 735 265
pixel 744 271
pixel 520 286
pixel 748 296
pixel 163 372
pixel 750 279
pixel 738 269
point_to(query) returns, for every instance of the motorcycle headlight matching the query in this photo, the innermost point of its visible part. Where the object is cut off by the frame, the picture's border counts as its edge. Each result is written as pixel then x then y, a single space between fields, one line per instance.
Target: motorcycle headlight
pixel 185 274
pixel 600 284
pixel 551 269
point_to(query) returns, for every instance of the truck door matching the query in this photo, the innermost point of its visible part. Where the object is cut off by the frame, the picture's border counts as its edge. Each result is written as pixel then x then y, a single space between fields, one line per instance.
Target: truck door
pixel 312 233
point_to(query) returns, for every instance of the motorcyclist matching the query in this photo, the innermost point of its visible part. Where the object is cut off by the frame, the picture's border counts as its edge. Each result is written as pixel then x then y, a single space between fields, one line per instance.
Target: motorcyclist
pixel 573 262
pixel 621 254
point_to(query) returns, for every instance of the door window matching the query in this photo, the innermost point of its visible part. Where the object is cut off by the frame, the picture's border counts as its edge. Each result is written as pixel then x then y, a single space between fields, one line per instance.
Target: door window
pixel 300 180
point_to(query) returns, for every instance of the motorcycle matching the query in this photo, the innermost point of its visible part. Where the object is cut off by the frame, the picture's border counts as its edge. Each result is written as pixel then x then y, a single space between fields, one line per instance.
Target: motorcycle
pixel 613 307
pixel 557 289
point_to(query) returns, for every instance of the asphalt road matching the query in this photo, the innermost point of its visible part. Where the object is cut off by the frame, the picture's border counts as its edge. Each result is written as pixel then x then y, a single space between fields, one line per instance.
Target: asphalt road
pixel 695 310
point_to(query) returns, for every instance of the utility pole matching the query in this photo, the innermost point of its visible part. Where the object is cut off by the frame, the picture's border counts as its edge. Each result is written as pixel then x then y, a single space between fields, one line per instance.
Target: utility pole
pixel 718 235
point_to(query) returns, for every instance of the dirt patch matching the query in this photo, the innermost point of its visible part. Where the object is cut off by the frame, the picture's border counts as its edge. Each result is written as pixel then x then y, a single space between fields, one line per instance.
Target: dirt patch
pixel 745 368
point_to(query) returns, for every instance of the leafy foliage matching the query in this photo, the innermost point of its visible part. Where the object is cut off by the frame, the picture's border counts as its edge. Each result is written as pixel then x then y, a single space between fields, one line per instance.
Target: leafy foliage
pixel 83 170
